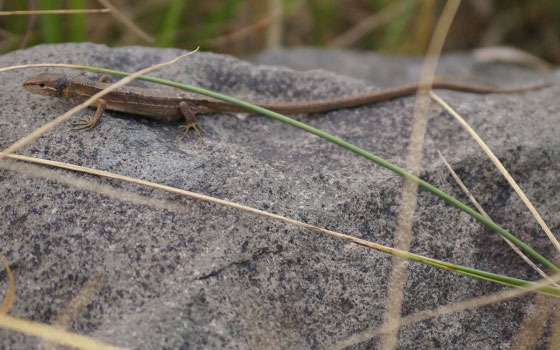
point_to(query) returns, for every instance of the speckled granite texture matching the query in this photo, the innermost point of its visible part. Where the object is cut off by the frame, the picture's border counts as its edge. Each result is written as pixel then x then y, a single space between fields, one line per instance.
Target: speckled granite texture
pixel 185 274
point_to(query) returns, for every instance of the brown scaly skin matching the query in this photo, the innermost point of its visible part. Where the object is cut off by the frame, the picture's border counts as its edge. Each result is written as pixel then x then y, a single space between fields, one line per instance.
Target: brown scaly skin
pixel 167 106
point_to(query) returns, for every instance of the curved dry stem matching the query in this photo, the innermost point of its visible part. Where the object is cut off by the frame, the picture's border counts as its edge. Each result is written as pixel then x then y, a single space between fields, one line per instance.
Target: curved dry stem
pixel 407 206
pixel 53 334
pixel 500 167
pixel 53 12
pixel 11 291
pixel 444 310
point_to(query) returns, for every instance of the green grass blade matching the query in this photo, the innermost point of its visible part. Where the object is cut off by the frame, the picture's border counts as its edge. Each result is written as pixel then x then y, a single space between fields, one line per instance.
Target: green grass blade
pixel 324 19
pixel 215 21
pixel 77 26
pixel 51 28
pixel 171 23
pixel 449 199
pixel 395 33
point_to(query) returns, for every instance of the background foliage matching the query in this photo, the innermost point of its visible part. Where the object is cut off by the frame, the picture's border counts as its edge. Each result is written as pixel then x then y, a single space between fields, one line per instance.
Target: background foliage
pixel 244 27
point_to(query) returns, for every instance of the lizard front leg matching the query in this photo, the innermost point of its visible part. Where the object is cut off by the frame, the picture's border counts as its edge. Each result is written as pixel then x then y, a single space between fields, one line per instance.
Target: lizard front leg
pixel 191 120
pixel 90 123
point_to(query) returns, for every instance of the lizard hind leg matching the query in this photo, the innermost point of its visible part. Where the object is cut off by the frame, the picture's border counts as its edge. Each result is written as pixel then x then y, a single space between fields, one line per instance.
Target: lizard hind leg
pixel 191 120
pixel 90 123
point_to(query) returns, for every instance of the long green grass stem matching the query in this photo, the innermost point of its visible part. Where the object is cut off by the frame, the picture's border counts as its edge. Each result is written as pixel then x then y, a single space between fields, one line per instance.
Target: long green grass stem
pixel 449 199
pixel 467 271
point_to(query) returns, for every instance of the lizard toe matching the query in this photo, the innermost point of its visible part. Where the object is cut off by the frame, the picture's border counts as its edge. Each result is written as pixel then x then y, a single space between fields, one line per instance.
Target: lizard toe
pixel 186 128
pixel 84 124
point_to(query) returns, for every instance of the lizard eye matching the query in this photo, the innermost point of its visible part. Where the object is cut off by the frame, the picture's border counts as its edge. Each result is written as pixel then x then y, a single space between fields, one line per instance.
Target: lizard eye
pixel 41 85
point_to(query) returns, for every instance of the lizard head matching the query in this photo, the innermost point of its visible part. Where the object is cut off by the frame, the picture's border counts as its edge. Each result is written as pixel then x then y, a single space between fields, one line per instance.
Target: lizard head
pixel 50 84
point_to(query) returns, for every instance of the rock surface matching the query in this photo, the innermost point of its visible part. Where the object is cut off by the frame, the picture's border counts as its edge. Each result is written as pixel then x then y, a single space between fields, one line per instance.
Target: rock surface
pixel 184 274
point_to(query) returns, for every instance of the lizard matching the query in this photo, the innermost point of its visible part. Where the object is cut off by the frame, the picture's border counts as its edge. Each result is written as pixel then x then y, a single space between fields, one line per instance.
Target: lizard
pixel 168 106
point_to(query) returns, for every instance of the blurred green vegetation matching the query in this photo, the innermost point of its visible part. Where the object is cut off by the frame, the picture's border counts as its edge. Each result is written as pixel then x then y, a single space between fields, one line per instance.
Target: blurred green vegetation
pixel 240 27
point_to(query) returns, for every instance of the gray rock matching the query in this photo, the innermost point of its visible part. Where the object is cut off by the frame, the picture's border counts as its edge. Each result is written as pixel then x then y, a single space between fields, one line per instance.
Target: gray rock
pixel 390 70
pixel 185 274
